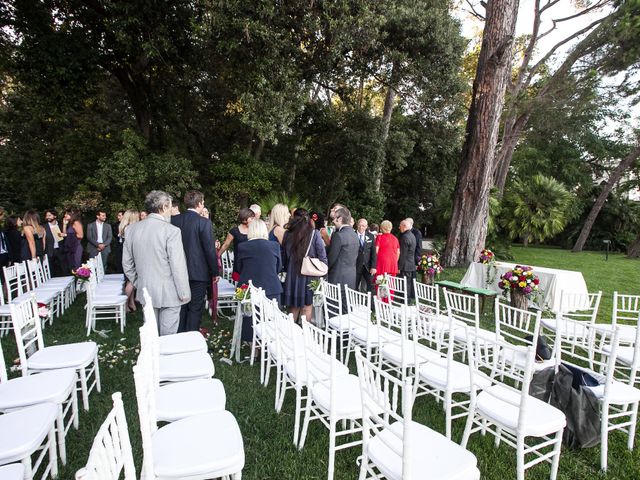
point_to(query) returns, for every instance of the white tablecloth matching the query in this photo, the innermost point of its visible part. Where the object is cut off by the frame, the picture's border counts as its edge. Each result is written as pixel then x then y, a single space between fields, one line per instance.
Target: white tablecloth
pixel 552 282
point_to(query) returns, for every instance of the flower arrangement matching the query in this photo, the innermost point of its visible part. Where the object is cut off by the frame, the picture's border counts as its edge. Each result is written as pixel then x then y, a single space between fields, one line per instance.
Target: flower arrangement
pixel 520 279
pixel 383 287
pixel 487 257
pixel 82 273
pixel 243 292
pixel 314 285
pixel 43 311
pixel 430 264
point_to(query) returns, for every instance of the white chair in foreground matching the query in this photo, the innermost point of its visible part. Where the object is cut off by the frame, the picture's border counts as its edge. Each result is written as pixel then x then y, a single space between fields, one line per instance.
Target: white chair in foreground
pixel 577 310
pixel 465 311
pixel 183 342
pixel 597 355
pixel 30 431
pixel 57 387
pixel 35 357
pixel 626 311
pixel 363 332
pixel 394 446
pixel 111 451
pixel 5 316
pixel 104 305
pixel 333 396
pixel 68 281
pixel 510 413
pixel 203 446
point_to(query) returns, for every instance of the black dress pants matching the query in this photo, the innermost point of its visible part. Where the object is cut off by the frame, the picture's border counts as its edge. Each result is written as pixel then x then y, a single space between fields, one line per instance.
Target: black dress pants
pixel 191 313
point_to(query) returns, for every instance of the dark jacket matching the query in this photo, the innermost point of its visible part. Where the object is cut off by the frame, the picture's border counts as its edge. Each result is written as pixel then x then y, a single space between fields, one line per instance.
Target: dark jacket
pixel 259 260
pixel 13 245
pixel 343 255
pixel 367 256
pixel 406 262
pixel 418 235
pixel 199 245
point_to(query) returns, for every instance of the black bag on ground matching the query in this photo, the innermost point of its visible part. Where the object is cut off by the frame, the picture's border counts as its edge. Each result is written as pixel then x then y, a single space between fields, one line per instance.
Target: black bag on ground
pixel 543 352
pixel 542 383
pixel 580 406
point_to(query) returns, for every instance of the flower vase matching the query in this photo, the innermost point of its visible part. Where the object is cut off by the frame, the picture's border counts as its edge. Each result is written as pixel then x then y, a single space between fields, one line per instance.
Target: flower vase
pixel 383 291
pixel 246 308
pixel 519 300
pixel 427 278
pixel 317 299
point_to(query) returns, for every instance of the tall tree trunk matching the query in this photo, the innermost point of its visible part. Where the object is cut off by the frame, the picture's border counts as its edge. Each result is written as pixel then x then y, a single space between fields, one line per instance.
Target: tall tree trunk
pixel 512 131
pixel 387 113
pixel 599 203
pixel 133 86
pixel 468 227
pixel 634 249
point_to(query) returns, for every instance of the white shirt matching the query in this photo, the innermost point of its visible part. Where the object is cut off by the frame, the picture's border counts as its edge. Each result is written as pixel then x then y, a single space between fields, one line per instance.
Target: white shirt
pixel 99 226
pixel 55 239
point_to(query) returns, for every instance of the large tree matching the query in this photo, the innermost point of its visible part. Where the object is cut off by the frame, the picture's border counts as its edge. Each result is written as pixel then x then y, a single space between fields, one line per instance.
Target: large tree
pixel 468 227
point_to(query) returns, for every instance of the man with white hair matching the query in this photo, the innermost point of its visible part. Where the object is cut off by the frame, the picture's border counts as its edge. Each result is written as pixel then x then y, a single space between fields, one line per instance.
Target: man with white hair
pixel 406 263
pixel 418 235
pixel 153 258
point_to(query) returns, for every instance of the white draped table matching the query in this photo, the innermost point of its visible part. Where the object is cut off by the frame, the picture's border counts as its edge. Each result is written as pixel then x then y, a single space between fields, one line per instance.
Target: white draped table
pixel 552 282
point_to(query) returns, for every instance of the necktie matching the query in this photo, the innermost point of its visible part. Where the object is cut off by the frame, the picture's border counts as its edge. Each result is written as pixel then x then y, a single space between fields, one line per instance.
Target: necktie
pixel 362 240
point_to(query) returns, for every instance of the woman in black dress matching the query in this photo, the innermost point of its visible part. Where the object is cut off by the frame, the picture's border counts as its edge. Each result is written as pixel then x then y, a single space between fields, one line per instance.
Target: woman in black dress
pixel 14 238
pixel 300 235
pixel 237 235
pixel 33 236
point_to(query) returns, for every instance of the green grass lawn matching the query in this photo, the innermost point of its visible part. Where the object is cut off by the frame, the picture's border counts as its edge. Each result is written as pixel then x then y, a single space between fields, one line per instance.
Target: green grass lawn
pixel 269 450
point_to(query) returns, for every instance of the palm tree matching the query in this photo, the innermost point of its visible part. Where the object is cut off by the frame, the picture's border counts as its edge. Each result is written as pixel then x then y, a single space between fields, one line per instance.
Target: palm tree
pixel 536 208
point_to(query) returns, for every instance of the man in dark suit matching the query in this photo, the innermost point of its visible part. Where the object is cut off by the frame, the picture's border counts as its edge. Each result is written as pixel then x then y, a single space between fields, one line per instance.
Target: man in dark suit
pixel 406 262
pixel 54 244
pixel 367 257
pixel 343 251
pixel 99 236
pixel 200 252
pixel 418 235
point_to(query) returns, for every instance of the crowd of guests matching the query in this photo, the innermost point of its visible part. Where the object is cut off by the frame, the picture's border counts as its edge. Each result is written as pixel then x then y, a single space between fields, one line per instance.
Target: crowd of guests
pixel 176 256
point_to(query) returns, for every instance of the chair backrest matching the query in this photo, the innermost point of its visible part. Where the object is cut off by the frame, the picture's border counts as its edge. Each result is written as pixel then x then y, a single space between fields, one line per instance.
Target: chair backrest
pixel 358 304
pixel 3 366
pixel 385 401
pixel 111 450
pixel 258 298
pixel 398 294
pixel 32 273
pixel 16 280
pixel 288 344
pixel 146 399
pixel 320 345
pixel 626 308
pixel 98 267
pixel 432 329
pixel 23 276
pixel 389 317
pixel 427 297
pixel 515 325
pixel 27 329
pixel 227 265
pixel 579 306
pixel 46 267
pixel 463 308
pixel 332 305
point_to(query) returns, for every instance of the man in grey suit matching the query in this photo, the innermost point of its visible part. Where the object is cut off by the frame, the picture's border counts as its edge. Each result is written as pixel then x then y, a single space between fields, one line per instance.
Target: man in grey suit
pixel 406 262
pixel 343 252
pixel 99 237
pixel 153 258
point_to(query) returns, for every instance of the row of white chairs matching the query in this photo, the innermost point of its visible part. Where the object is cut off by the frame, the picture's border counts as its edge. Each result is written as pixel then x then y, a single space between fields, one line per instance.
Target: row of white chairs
pixel 448 333
pixel 105 298
pixel 40 407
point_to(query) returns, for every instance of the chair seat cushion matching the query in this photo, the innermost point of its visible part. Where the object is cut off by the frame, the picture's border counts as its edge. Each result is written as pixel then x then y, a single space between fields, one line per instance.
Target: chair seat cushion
pixel 393 352
pixel 264 326
pixel 182 342
pixel 619 393
pixel 627 332
pixel 42 296
pixel 5 310
pixel 319 368
pixel 53 386
pixel 435 374
pixel 434 455
pixel 24 430
pixel 208 445
pixel 373 334
pixel 518 357
pixel 70 355
pixel 186 366
pixel 348 403
pixel 461 336
pixel 105 300
pixel 500 404
pixel 15 471
pixel 568 328
pixel 186 399
pixel 345 321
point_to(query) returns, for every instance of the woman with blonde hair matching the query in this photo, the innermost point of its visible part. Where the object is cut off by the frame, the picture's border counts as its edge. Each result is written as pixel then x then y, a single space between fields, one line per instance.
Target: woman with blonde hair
pixel 237 235
pixel 278 218
pixel 129 218
pixel 33 236
pixel 388 250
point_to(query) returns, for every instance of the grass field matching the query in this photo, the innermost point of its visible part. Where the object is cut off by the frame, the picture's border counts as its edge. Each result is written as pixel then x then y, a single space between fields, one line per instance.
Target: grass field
pixel 270 453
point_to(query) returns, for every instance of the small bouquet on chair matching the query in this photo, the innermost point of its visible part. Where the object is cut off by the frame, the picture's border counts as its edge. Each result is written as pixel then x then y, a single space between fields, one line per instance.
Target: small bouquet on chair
pixel 82 273
pixel 383 287
pixel 43 312
pixel 243 295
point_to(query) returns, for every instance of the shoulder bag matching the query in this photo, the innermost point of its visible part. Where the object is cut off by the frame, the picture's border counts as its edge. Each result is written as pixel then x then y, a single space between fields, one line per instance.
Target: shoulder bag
pixel 313 267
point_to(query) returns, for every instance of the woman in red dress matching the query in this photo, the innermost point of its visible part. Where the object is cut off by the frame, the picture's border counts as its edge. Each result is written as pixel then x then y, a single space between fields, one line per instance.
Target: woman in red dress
pixel 388 250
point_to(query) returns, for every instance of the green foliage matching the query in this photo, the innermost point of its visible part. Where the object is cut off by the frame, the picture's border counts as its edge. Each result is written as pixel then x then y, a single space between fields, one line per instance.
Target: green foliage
pixel 126 176
pixel 536 208
pixel 292 201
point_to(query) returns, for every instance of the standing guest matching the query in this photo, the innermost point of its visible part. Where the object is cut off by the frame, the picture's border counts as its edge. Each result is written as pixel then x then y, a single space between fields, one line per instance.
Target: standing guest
pixel 367 258
pixel 99 238
pixel 256 209
pixel 319 225
pixel 418 235
pixel 259 260
pixel 117 242
pixel 332 212
pixel 14 239
pixel 343 251
pixel 74 233
pixel 175 209
pixel 237 235
pixel 128 218
pixel 406 262
pixel 387 249
pixel 200 253
pixel 300 237
pixel 33 236
pixel 374 229
pixel 54 244
pixel 143 215
pixel 153 258
pixel 278 218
